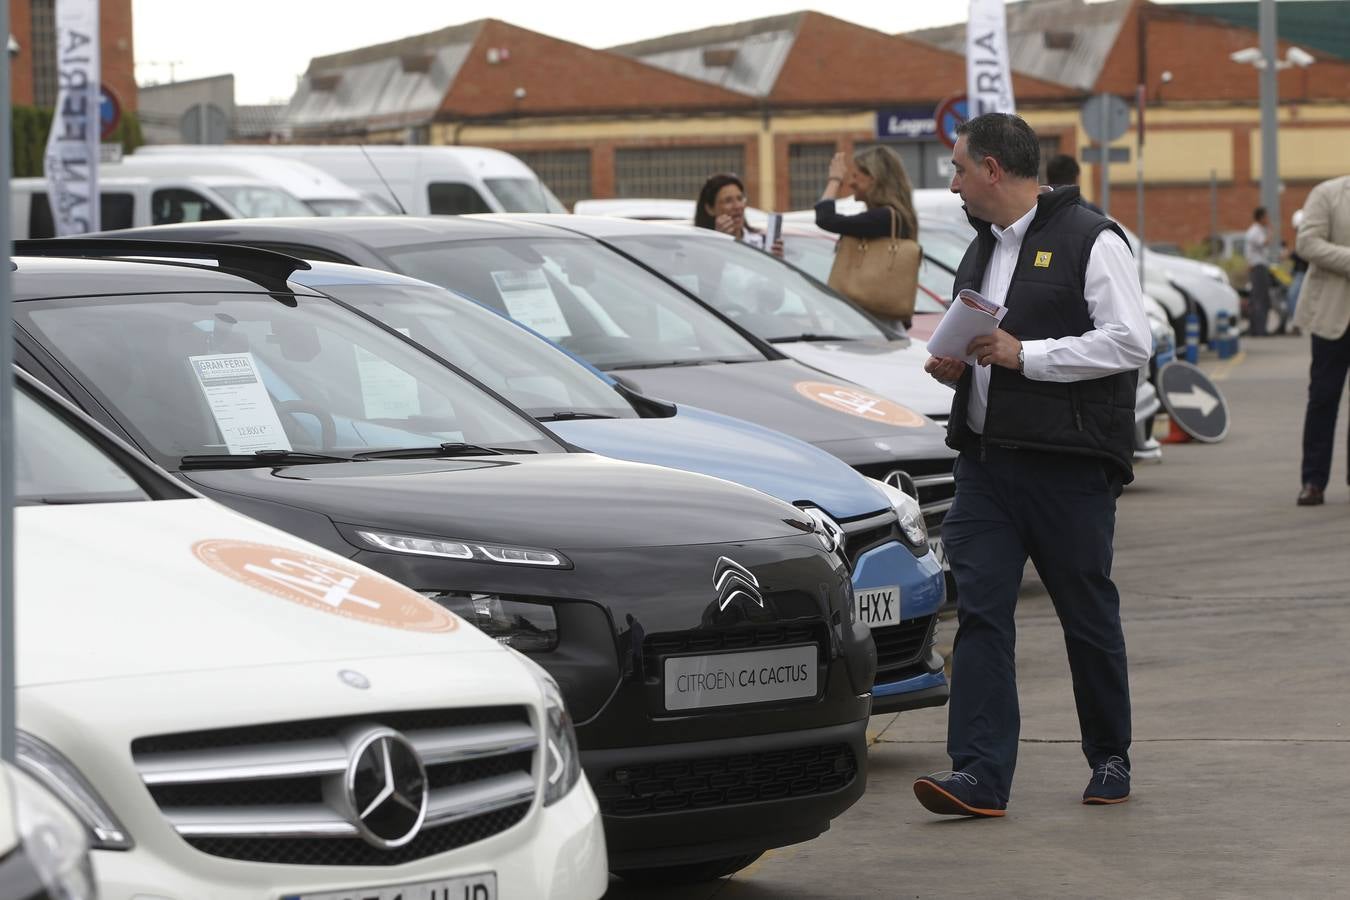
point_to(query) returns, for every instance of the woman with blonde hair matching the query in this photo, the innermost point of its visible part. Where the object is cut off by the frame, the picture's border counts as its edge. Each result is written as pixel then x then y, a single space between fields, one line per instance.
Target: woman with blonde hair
pixel 877 177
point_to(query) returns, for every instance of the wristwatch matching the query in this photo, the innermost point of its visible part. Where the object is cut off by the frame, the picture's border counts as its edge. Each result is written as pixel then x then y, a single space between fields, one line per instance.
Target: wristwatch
pixel 1021 359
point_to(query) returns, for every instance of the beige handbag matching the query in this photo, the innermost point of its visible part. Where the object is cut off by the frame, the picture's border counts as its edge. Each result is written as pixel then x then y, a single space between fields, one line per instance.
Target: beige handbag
pixel 879 274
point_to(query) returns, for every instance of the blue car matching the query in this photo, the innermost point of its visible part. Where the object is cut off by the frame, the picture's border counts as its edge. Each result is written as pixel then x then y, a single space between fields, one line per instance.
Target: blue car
pixel 898 583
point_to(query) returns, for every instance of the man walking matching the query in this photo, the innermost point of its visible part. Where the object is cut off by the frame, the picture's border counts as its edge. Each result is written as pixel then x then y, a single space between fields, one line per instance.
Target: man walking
pixel 1324 313
pixel 1043 423
pixel 1256 248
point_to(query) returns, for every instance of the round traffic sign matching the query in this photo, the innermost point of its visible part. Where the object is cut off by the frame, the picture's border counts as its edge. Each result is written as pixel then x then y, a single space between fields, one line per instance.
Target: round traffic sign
pixel 1193 401
pixel 949 114
pixel 1105 117
pixel 109 112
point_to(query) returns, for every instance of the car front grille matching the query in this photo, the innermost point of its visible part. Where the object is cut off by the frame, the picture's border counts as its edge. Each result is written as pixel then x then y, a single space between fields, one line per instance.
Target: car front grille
pixel 903 644
pixel 267 793
pixel 863 534
pixel 930 481
pixel 725 780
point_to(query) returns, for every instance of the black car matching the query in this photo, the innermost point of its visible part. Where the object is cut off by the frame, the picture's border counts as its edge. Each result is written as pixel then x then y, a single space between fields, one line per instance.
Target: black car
pixel 628 322
pixel 703 634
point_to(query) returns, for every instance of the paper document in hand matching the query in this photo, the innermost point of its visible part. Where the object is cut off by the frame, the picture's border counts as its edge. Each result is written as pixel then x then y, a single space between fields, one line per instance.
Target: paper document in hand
pixel 970 316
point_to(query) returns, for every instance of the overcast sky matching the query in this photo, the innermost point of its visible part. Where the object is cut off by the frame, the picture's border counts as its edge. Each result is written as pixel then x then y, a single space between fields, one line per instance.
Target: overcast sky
pixel 268 43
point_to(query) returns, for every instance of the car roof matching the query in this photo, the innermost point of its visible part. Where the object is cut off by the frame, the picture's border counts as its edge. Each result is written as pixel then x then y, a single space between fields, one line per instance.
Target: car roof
pixel 609 226
pixel 371 231
pixel 36 277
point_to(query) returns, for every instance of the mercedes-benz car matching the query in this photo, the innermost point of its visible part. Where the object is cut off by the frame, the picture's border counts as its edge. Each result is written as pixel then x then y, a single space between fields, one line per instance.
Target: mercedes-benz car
pixel 232 712
pixel 702 633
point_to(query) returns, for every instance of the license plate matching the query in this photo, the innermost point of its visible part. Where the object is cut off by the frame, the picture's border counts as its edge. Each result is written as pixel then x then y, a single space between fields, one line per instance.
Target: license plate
pixel 731 679
pixel 878 606
pixel 467 887
pixel 940 552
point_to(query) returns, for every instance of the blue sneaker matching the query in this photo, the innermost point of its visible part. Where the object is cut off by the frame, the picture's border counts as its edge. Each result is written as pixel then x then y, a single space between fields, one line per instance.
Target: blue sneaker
pixel 957 794
pixel 1110 783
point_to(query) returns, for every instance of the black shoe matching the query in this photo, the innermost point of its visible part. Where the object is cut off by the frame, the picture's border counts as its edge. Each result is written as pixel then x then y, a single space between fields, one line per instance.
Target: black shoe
pixel 957 794
pixel 1311 495
pixel 1110 783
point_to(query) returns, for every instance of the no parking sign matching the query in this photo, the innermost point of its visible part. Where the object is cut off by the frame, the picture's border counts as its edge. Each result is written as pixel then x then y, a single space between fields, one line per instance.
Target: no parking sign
pixel 949 114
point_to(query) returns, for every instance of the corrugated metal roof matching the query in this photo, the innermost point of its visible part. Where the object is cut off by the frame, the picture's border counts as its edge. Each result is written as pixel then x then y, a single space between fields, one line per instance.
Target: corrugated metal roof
pixel 1036 28
pixel 385 92
pixel 745 57
pixel 1313 24
pixel 260 120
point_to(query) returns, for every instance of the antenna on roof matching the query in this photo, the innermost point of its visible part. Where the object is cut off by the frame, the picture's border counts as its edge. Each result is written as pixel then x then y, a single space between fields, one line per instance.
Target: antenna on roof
pixel 397 203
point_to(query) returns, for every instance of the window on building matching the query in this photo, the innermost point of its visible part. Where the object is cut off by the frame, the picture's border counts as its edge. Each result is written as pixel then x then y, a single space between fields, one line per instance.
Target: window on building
pixel 454 198
pixel 115 211
pixel 672 172
pixel 808 165
pixel 171 205
pixel 566 172
pixel 44 53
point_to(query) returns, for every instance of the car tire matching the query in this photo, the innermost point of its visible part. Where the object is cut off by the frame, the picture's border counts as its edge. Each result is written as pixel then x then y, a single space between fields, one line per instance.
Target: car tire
pixel 689 873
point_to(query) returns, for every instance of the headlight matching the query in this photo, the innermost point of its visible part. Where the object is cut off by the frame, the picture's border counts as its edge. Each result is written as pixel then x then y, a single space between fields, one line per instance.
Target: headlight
pixel 562 757
pixel 53 840
pixel 910 516
pixel 831 535
pixel 525 626
pixel 42 761
pixel 468 550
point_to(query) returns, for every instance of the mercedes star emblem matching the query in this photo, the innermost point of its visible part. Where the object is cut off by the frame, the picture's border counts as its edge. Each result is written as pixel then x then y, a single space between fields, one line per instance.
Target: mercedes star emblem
pixel 734 580
pixel 385 788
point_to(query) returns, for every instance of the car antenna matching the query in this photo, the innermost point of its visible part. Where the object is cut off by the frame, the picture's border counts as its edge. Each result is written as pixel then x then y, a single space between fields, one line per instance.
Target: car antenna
pixel 397 202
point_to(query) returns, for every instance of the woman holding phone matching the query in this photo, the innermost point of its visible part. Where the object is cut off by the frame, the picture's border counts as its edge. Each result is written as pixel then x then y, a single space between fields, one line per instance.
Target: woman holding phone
pixel 721 207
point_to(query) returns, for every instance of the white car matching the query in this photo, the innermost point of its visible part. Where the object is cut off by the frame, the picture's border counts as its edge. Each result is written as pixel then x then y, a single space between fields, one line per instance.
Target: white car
pixel 43 851
pixel 235 713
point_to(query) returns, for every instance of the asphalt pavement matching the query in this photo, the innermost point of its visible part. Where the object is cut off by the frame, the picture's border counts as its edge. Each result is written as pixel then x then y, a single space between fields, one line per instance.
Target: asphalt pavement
pixel 1237 617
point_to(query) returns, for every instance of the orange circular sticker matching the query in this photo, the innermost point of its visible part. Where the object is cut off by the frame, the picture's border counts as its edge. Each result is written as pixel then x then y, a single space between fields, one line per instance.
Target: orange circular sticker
pixel 333 586
pixel 859 403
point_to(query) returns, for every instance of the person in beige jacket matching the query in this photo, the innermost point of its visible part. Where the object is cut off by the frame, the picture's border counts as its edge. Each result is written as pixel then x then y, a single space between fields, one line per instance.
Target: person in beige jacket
pixel 1324 313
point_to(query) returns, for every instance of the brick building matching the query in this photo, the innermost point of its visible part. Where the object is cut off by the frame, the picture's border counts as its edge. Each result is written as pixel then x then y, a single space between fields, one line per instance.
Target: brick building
pixel 773 98
pixel 32 24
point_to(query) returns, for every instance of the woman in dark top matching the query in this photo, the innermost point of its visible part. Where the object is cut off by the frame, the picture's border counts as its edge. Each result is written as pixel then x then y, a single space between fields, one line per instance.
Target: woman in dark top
pixel 877 177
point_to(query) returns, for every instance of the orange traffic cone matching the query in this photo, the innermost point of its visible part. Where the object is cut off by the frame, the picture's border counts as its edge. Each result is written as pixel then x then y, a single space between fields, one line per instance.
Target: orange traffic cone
pixel 1174 433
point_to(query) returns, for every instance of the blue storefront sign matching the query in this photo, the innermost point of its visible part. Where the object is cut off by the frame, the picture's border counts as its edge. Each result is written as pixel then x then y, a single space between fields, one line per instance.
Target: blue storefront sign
pixel 906 123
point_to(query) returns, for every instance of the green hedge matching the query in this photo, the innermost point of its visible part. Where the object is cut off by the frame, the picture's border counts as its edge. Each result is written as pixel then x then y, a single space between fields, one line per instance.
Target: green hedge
pixel 31 124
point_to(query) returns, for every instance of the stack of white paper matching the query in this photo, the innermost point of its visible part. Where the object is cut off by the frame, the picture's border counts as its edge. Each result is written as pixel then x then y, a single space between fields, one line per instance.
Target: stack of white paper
pixel 970 316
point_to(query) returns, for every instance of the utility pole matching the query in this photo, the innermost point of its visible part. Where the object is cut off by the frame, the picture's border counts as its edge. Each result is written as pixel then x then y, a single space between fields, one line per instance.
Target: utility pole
pixel 1270 100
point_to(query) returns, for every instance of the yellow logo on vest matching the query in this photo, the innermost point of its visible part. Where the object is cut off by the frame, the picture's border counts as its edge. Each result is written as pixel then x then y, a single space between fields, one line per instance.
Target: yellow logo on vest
pixel 1043 259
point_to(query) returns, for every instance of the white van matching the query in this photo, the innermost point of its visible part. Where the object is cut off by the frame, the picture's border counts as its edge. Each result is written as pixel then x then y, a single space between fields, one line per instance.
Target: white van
pixel 132 198
pixel 425 180
pixel 324 194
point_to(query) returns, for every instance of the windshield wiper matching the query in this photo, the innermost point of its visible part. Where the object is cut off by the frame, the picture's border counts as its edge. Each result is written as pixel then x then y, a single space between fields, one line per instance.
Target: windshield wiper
pixel 808 336
pixel 449 448
pixel 671 363
pixel 565 414
pixel 256 458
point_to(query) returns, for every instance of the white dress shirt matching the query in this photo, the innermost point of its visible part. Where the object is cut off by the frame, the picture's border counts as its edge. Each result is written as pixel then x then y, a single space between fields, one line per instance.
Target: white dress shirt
pixel 1256 245
pixel 1119 341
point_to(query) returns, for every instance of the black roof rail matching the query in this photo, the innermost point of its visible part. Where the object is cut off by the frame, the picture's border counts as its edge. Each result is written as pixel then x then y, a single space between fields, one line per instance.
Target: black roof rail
pixel 268 263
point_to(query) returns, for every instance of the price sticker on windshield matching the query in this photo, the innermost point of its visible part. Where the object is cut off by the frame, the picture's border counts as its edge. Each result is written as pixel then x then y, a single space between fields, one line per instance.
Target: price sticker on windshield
pixel 855 402
pixel 239 403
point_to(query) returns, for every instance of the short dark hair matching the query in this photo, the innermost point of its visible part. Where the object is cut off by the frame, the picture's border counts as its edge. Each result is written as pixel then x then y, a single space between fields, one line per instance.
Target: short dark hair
pixel 1258 214
pixel 1062 169
pixel 706 197
pixel 1005 137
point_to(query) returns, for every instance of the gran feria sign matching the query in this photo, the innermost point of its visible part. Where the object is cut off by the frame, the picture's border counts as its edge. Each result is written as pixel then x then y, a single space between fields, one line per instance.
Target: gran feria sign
pixel 71 159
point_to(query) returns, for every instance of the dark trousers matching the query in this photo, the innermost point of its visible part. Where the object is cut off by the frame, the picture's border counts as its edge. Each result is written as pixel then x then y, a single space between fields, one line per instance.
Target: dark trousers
pixel 1058 510
pixel 1326 378
pixel 1258 302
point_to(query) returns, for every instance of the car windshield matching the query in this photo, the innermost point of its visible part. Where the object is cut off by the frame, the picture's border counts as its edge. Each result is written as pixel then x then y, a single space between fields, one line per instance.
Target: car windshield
pixel 946 245
pixel 813 255
pixel 243 374
pixel 528 371
pixel 769 299
pixel 260 202
pixel 587 299
pixel 54 464
pixel 936 280
pixel 524 195
pixel 348 206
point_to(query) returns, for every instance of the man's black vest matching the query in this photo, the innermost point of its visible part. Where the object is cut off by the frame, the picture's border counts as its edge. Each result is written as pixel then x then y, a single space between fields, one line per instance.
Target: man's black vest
pixel 1045 300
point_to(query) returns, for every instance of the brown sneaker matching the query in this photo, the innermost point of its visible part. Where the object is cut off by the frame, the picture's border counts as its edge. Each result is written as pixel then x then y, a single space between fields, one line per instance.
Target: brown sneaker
pixel 1311 495
pixel 957 794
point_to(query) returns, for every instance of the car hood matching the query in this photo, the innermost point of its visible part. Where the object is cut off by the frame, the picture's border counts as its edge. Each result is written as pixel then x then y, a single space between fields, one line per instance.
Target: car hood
pixel 560 501
pixel 809 405
pixel 187 585
pixel 892 369
pixel 698 440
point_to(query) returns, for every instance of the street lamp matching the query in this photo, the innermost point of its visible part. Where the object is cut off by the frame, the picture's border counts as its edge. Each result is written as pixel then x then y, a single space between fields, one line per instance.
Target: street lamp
pixel 1294 56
